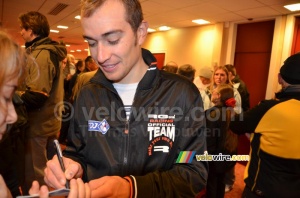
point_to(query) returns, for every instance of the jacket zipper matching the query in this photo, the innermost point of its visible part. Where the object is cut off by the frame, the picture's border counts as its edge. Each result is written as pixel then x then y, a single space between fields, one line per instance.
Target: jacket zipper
pixel 126 132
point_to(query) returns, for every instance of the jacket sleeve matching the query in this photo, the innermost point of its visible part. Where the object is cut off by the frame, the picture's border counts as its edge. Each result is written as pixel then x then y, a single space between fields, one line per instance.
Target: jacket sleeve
pixel 33 100
pixel 238 105
pixel 180 179
pixel 247 122
pixel 41 73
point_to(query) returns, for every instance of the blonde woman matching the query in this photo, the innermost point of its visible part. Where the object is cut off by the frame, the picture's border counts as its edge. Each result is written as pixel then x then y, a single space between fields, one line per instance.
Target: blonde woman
pixel 220 76
pixel 11 72
pixel 11 69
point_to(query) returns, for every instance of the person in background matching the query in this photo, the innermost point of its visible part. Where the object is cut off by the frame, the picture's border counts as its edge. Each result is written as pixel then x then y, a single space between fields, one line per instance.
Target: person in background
pixel 12 69
pixel 43 94
pixel 72 63
pixel 204 79
pixel 239 85
pixel 219 138
pixel 68 100
pixel 220 76
pixel 80 69
pixel 90 64
pixel 85 77
pixel 171 67
pixel 187 71
pixel 274 166
pixel 126 134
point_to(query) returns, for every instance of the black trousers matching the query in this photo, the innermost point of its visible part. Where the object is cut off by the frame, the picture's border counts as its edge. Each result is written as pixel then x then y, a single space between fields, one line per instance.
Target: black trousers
pixel 215 187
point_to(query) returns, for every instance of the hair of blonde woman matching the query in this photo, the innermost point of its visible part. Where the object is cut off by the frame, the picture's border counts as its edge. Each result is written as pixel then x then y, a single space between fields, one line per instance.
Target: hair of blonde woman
pixel 134 13
pixel 12 58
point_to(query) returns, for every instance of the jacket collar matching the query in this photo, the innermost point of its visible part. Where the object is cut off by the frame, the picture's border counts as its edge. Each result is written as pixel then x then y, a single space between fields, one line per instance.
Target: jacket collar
pixel 292 91
pixel 147 82
pixel 30 43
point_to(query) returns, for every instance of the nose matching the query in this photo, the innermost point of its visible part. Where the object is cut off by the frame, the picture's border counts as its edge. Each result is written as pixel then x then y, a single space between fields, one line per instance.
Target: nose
pixel 103 53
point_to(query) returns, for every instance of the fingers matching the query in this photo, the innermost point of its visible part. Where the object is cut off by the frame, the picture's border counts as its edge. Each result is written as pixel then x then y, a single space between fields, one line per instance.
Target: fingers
pixel 54 176
pixel 79 189
pixel 73 189
pixel 73 170
pixel 44 192
pixel 35 187
pixel 87 190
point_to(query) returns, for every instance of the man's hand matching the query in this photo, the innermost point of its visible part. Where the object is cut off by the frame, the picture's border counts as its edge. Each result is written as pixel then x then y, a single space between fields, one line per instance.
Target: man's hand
pixel 110 186
pixel 55 177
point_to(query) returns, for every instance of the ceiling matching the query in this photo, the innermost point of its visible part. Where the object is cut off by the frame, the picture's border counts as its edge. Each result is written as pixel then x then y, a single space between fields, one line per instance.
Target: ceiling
pixel 173 13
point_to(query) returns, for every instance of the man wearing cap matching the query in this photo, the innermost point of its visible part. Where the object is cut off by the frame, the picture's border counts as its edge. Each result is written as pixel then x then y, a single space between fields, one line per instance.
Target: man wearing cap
pixel 274 166
pixel 203 80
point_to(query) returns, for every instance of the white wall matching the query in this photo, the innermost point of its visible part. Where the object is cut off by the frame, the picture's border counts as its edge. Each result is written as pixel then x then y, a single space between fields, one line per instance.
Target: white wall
pixel 198 46
pixel 211 45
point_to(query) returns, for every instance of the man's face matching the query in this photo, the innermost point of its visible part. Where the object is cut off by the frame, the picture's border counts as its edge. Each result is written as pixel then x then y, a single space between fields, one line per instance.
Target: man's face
pixel 113 44
pixel 26 34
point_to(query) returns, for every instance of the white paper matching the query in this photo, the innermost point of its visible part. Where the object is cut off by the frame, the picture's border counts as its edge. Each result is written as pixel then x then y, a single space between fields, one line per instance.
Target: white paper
pixel 58 192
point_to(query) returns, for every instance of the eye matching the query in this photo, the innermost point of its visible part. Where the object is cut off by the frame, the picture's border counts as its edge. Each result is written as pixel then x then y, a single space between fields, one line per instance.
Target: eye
pixel 93 44
pixel 114 42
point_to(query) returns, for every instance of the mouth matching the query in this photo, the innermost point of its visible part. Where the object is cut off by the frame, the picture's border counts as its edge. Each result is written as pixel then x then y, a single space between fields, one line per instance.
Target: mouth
pixel 109 67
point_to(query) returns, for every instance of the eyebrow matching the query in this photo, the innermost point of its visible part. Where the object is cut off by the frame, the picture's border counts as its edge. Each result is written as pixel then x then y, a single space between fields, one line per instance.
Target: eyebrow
pixel 104 35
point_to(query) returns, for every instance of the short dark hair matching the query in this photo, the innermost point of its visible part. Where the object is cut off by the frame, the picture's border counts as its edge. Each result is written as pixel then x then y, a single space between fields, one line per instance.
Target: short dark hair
pixel 35 21
pixel 188 71
pixel 134 13
pixel 88 59
pixel 231 69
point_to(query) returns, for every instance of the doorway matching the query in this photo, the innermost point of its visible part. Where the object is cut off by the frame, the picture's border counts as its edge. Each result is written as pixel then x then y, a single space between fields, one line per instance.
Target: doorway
pixel 252 57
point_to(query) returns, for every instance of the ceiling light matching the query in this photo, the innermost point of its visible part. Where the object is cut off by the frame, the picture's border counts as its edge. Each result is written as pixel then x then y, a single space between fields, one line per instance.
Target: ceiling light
pixel 78 17
pixel 151 30
pixel 62 27
pixel 72 51
pixel 164 28
pixel 200 21
pixel 78 50
pixel 68 45
pixel 86 49
pixel 293 7
pixel 54 31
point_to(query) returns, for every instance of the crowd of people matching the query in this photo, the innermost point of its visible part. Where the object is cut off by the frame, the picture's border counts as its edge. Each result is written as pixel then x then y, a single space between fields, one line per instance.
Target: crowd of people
pixel 133 124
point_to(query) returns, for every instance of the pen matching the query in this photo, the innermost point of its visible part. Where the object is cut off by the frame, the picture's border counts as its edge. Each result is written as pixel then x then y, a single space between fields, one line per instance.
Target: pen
pixel 60 159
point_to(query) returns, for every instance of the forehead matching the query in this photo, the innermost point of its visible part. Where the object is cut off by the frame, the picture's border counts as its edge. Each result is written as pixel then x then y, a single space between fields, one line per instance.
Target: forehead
pixel 220 71
pixel 108 17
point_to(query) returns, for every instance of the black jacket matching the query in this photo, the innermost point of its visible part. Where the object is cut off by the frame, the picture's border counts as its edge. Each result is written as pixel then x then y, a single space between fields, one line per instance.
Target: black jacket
pixel 165 119
pixel 274 166
pixel 242 89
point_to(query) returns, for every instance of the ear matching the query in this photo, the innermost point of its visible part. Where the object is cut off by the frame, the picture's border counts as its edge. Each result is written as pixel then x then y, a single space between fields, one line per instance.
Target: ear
pixel 142 32
pixel 280 80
